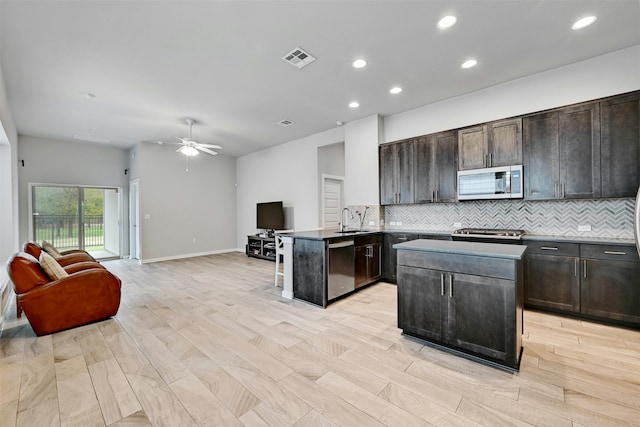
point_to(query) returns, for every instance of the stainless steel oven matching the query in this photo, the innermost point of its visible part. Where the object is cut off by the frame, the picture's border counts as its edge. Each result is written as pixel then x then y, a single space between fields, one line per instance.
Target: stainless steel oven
pixel 488 235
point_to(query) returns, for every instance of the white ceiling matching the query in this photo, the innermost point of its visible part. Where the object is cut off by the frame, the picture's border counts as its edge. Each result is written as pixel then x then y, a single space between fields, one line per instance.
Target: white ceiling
pixel 151 64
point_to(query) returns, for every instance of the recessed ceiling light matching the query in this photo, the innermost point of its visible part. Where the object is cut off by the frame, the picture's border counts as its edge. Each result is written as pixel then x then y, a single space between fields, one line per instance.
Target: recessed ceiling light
pixel 447 21
pixel 469 63
pixel 359 63
pixel 354 104
pixel 89 96
pixel 583 22
pixel 395 89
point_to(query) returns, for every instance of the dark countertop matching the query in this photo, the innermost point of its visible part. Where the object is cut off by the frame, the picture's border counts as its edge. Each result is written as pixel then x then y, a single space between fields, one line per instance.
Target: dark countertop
pixel 326 234
pixel 578 239
pixel 491 250
pixel 333 234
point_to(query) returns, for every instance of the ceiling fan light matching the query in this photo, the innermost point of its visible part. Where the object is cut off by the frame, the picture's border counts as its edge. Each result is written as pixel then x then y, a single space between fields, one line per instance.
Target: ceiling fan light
pixel 189 151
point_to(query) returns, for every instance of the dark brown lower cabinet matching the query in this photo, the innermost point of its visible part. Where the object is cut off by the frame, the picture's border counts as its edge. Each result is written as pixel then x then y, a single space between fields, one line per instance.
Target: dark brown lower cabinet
pixel 599 282
pixel 610 288
pixel 368 263
pixel 552 276
pixel 476 315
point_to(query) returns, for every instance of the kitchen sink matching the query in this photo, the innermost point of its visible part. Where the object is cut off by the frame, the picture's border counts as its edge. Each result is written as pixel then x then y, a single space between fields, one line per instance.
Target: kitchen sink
pixel 348 231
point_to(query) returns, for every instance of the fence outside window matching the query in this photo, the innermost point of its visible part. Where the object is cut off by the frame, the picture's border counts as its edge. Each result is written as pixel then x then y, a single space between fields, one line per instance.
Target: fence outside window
pixel 62 231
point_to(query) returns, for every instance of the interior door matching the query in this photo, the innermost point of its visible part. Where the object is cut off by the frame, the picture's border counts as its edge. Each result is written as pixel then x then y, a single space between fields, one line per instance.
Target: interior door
pixel 332 203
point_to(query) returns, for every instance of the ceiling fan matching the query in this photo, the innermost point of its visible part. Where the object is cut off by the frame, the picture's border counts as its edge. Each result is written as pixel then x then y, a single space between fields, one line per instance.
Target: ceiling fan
pixel 190 147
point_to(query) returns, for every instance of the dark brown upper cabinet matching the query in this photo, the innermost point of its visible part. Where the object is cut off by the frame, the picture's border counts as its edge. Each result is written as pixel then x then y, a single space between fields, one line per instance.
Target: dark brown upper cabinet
pixel 435 176
pixel 494 144
pixel 620 146
pixel 396 162
pixel 562 153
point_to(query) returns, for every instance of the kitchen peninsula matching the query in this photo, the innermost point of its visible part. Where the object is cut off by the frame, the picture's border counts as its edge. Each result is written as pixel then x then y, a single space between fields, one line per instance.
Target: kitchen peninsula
pixel 464 297
pixel 328 264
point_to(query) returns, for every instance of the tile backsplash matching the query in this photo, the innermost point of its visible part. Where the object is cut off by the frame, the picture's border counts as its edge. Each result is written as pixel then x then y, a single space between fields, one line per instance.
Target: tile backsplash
pixel 606 217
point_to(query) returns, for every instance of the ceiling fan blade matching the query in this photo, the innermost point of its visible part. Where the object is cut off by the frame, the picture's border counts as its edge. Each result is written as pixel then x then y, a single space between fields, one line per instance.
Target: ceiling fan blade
pixel 206 150
pixel 214 146
pixel 179 149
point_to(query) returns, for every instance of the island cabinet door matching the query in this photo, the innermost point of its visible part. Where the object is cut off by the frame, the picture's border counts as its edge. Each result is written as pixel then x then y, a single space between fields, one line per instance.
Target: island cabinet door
pixel 421 306
pixel 482 315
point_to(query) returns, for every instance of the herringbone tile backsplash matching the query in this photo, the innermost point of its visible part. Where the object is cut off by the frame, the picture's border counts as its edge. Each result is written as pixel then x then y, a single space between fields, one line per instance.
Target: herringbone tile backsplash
pixel 607 218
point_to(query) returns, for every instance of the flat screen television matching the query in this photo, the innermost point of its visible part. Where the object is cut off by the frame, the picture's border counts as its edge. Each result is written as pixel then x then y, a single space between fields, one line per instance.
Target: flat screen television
pixel 270 216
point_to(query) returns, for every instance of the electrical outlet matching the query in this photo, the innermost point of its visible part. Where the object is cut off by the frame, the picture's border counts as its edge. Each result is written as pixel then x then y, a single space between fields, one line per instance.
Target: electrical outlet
pixel 584 227
pixel 398 222
pixel 392 223
pixel 147 216
pixel 372 223
pixel 457 224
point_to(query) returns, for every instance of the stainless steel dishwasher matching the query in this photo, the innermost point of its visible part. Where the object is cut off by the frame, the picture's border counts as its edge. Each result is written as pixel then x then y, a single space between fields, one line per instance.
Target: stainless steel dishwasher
pixel 341 269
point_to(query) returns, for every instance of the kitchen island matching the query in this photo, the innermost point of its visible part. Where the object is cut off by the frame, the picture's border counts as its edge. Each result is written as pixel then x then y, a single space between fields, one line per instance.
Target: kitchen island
pixel 464 297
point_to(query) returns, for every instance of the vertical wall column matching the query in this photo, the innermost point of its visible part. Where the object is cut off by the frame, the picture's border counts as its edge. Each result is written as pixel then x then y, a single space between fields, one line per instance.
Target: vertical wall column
pixel 287 286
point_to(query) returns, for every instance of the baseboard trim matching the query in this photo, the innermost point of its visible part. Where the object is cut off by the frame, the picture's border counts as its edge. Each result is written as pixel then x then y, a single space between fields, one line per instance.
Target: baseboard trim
pixel 192 255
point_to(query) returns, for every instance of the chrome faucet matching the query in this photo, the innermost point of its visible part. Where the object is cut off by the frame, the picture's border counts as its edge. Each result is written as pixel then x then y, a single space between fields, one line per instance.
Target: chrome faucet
pixel 342 218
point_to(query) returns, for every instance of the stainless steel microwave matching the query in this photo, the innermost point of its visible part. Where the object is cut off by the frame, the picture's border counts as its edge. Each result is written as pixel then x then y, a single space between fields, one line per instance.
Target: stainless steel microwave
pixel 503 182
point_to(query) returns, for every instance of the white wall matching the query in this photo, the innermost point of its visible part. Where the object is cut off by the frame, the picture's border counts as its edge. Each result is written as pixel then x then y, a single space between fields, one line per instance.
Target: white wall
pixel 610 74
pixel 62 162
pixel 287 172
pixel 182 206
pixel 8 180
pixel 361 157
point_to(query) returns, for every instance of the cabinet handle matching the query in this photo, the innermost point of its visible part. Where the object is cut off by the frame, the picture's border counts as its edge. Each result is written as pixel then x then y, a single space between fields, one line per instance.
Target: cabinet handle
pixel 437 196
pixel 555 189
pixel 562 190
pixel 485 161
pixel 433 196
pixel 403 238
pixel 548 248
pixel 584 268
pixel 441 284
pixel 450 285
pixel 490 159
pixel 615 253
pixel 575 268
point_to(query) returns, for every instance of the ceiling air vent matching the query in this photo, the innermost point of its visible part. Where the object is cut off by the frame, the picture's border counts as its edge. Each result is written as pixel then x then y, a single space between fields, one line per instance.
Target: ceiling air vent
pixel 285 123
pixel 299 58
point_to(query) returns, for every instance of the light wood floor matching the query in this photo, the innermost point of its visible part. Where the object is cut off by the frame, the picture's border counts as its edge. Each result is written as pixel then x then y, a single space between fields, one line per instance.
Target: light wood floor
pixel 209 341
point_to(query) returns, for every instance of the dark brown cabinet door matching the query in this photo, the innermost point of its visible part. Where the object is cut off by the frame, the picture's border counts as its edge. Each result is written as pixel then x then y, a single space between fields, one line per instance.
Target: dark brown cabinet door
pixel 473 148
pixel 425 173
pixel 387 161
pixel 541 173
pixel 445 164
pixel 611 290
pixel 505 143
pixel 361 273
pixel 436 168
pixel 552 282
pixel 620 126
pixel 579 149
pixel 374 262
pixel 405 172
pixel 421 306
pixel 475 300
pixel 391 255
pixel 396 170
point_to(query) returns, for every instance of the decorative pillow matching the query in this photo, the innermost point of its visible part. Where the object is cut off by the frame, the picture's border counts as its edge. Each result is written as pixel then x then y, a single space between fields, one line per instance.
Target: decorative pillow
pixel 50 249
pixel 51 267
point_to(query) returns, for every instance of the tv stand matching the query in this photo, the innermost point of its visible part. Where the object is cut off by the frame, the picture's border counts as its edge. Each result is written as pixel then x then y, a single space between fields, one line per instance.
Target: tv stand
pixel 261 247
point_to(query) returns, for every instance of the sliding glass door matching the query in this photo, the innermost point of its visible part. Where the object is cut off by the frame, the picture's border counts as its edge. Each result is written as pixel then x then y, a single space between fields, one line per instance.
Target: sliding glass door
pixel 74 217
